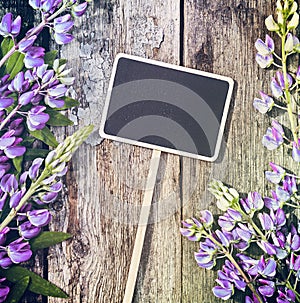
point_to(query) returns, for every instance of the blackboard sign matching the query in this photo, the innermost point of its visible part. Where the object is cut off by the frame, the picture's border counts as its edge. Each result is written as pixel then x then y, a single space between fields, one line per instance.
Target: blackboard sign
pixel 166 107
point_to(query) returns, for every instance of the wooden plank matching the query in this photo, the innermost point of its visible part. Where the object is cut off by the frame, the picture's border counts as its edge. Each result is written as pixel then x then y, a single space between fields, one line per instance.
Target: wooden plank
pixel 104 186
pixel 219 37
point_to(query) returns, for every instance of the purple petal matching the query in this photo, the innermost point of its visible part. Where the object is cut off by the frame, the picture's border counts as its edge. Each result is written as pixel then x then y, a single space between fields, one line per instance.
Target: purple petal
pixel 264 61
pixel 19 251
pixel 35 4
pixel 79 10
pixel 16 26
pixel 25 98
pixel 16 198
pixel 29 231
pixel 223 293
pixel 34 168
pixel 5 102
pixel 24 45
pixel 277 91
pixel 15 151
pixel 270 270
pixel 296 152
pixel 5 142
pixel 54 103
pixel 62 39
pixel 262 48
pixel 295 246
pixel 270 43
pixel 39 218
pixel 61 28
pixel 5 25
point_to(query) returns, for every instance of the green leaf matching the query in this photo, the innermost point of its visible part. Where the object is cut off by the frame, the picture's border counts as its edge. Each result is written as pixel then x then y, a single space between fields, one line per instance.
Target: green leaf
pixel 6 44
pixel 50 57
pixel 33 153
pixel 47 239
pixel 57 119
pixel 69 103
pixel 18 163
pixel 37 284
pixel 18 290
pixel 14 64
pixel 45 135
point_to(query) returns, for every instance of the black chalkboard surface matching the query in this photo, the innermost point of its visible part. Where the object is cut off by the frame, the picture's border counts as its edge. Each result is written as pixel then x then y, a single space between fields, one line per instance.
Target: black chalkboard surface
pixel 166 107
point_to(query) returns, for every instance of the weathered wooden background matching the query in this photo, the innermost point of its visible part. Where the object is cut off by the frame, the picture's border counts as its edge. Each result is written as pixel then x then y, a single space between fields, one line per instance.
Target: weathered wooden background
pixel 105 182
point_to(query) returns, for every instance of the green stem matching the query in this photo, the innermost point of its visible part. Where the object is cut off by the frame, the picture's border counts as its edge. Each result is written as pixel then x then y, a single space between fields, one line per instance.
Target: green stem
pixel 288 98
pixel 9 116
pixel 236 265
pixel 35 31
pixel 32 189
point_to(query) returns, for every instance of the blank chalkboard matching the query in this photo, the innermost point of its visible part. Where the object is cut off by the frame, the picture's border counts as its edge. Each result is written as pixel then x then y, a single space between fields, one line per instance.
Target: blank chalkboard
pixel 166 107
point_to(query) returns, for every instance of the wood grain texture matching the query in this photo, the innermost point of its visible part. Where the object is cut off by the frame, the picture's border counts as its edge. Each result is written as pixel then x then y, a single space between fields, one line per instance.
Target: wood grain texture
pixel 105 183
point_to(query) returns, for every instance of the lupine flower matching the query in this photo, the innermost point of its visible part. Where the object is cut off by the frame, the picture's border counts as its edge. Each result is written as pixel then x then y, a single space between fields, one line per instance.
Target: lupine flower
pixel 274 136
pixel 34 168
pixel 28 231
pixel 34 56
pixel 19 251
pixel 206 256
pixel 9 145
pixel 264 61
pixel 16 198
pixel 231 274
pixel 264 104
pixel 273 221
pixel 289 184
pixel 26 44
pixel 286 296
pixel 192 229
pixel 79 9
pixel 267 287
pixel 229 219
pixel 296 151
pixel 25 98
pixel 39 217
pixel 276 89
pixel 276 175
pixel 36 118
pixel 289 43
pixel 251 300
pixel 10 27
pixel 5 102
pixel 298 75
pixel 4 291
pixel 265 48
pixel 294 262
pixel 9 183
pixel 271 25
pixel 19 83
pixel 61 26
pixel 227 197
pixel 224 290
pixel 252 203
pixel 3 234
pixel 5 261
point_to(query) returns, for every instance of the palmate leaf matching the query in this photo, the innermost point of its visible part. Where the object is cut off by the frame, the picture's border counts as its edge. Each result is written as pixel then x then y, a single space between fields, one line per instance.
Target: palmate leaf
pixel 45 135
pixel 57 119
pixel 47 239
pixel 37 284
pixel 18 290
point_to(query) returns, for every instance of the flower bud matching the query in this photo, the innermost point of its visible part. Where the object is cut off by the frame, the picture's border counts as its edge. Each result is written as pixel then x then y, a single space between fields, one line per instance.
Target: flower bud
pixel 271 25
pixel 294 22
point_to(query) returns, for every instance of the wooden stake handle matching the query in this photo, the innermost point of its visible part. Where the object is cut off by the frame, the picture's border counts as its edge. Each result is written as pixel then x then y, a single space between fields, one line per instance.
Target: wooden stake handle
pixel 142 227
